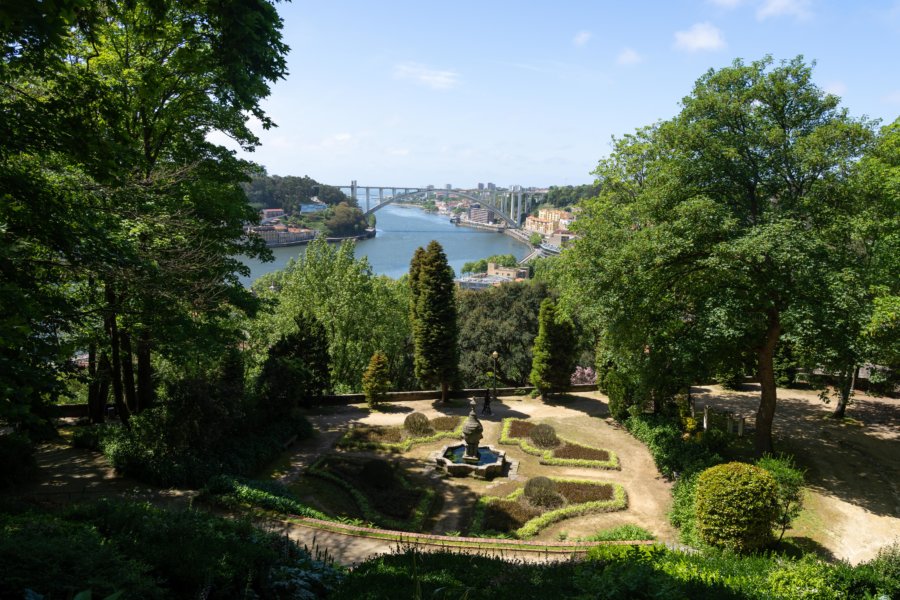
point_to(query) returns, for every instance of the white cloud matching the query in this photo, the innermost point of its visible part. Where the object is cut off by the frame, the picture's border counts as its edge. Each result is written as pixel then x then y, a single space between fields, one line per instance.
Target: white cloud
pixel 701 36
pixel 779 8
pixel 581 38
pixel 838 88
pixel 628 56
pixel 435 79
pixel 398 151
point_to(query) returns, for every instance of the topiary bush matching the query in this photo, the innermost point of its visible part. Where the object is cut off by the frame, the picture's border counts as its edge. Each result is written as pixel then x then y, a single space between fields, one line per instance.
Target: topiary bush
pixel 541 491
pixel 736 506
pixel 417 424
pixel 544 436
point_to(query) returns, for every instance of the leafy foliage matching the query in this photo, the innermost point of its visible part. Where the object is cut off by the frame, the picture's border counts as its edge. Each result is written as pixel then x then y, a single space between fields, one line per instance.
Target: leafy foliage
pixel 120 546
pixel 790 488
pixel 361 313
pixel 433 314
pixel 544 436
pixel 288 193
pixel 541 491
pixel 375 382
pixel 481 266
pixel 295 372
pixel 685 263
pixel 417 424
pixel 502 319
pixel 627 532
pixel 554 353
pixel 737 505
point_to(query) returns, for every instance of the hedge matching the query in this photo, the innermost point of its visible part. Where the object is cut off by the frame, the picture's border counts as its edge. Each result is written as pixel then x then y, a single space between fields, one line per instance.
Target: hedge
pixel 547 457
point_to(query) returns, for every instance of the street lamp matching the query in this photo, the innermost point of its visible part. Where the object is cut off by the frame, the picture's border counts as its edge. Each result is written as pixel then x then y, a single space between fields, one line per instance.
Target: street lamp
pixel 495 355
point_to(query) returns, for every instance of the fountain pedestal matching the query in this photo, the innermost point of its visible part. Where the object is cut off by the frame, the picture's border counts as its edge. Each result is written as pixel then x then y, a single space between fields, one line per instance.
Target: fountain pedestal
pixel 471 460
pixel 472 434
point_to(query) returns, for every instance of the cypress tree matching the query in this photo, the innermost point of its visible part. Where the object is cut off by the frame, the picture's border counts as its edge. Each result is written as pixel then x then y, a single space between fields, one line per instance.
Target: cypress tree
pixel 376 379
pixel 553 357
pixel 433 315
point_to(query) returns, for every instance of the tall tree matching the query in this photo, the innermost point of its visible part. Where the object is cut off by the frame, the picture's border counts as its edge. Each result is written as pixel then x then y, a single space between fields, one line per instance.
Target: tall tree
pixel 434 326
pixel 106 108
pixel 502 319
pixel 554 351
pixel 361 313
pixel 707 239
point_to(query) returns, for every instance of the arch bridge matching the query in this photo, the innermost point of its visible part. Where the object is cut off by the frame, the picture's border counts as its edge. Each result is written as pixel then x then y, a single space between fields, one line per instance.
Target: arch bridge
pixel 510 205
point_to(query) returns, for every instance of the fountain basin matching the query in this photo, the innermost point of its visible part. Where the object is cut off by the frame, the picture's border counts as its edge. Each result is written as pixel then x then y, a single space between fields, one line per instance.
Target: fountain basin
pixel 453 460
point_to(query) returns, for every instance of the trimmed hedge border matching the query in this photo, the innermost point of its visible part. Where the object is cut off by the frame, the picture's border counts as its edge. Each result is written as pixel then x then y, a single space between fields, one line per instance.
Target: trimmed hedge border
pixel 403 446
pixel 547 457
pixel 535 525
pixel 414 524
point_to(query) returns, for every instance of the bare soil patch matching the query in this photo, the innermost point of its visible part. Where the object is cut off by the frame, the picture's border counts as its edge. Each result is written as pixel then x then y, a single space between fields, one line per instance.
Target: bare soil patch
pixel 852 465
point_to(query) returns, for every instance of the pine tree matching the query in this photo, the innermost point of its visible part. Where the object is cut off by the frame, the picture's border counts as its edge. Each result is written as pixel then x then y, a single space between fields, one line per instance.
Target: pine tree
pixel 376 379
pixel 433 315
pixel 554 351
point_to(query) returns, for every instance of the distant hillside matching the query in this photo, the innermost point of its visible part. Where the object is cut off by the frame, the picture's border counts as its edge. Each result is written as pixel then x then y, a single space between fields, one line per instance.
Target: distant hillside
pixel 288 193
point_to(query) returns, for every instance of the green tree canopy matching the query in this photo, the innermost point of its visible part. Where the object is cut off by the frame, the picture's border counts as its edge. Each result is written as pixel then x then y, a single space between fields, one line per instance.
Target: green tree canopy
pixel 502 319
pixel 553 357
pixel 711 234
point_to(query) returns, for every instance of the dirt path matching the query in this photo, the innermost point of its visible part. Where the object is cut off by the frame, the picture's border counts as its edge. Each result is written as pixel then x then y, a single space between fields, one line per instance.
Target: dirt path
pixel 852 467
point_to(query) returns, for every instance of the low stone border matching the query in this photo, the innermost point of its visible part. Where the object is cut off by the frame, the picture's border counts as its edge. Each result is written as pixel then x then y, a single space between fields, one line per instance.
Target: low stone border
pixel 461 542
pixel 547 457
pixel 532 527
pixel 346 443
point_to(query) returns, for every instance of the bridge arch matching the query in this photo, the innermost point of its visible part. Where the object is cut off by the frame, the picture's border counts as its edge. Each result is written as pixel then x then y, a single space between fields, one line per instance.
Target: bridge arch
pixel 510 222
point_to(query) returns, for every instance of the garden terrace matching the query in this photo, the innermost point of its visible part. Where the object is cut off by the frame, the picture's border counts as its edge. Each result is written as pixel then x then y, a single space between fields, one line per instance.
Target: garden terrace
pixel 515 515
pixel 394 438
pixel 383 495
pixel 567 453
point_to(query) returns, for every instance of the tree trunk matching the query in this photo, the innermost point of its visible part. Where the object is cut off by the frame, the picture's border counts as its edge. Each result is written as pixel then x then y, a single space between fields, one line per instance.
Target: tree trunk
pixel 145 372
pixel 116 367
pixel 445 387
pixel 766 370
pixel 95 402
pixel 128 372
pixel 847 383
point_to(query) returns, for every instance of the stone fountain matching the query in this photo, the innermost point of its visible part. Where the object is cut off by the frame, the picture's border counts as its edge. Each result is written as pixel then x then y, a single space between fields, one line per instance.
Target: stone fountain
pixel 470 459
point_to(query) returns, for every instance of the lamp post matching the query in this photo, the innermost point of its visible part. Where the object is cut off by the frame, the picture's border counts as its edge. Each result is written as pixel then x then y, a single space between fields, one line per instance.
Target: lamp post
pixel 495 355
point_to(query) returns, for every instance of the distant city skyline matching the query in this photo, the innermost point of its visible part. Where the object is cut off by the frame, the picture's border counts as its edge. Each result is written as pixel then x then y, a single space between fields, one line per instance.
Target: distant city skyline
pixel 405 93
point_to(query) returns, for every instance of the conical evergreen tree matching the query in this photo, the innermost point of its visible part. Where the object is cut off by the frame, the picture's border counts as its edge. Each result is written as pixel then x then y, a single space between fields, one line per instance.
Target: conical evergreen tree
pixel 553 357
pixel 433 313
pixel 376 380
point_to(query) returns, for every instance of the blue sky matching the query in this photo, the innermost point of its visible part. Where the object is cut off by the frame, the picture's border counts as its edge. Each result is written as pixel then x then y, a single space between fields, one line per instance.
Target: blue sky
pixel 529 92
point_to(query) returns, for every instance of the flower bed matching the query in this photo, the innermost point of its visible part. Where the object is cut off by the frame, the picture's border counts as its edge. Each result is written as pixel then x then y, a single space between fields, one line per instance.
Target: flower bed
pixel 402 506
pixel 513 515
pixel 397 439
pixel 568 453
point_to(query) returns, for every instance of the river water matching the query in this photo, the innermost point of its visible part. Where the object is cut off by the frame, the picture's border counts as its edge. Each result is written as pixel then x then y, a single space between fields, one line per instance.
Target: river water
pixel 402 229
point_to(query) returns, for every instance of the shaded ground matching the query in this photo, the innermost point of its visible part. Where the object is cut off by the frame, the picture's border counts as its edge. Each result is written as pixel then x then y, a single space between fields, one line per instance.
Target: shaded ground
pixel 853 466
pixel 853 469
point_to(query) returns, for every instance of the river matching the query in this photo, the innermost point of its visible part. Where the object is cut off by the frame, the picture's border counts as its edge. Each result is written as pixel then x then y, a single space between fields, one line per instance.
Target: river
pixel 402 229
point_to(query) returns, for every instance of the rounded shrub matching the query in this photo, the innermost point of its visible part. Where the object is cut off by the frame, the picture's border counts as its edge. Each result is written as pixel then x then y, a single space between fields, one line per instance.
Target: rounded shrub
pixel 736 506
pixel 541 491
pixel 544 436
pixel 417 424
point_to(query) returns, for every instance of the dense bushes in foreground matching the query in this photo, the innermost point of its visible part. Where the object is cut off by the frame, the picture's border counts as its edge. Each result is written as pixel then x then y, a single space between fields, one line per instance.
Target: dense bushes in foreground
pixel 147 552
pixel 149 453
pixel 621 572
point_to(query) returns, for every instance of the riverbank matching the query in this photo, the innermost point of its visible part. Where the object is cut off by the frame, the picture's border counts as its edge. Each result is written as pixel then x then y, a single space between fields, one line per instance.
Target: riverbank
pixel 399 231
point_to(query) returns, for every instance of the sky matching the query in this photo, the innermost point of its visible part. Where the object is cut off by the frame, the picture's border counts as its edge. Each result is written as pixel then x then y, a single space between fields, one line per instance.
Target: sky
pixel 529 92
